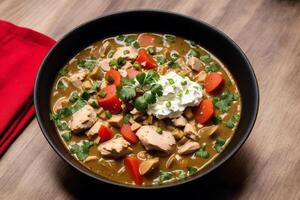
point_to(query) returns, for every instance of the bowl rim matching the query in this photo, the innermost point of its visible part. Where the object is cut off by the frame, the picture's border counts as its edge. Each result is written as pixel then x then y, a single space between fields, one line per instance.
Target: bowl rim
pixel 177 183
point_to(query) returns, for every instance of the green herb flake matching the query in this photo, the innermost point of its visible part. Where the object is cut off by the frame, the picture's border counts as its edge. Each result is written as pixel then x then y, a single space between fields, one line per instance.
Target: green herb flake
pixel 85 95
pixel 212 68
pixel 171 81
pixel 125 52
pixel 89 64
pixel 168 104
pixel 129 39
pixel 61 85
pixel 74 97
pixel 125 92
pixel 170 38
pixel 67 136
pixel 113 62
pixel 202 153
pixel 206 58
pixel 127 117
pixel 136 44
pixel 140 104
pixel 219 143
pixel 151 50
pixel 108 114
pixel 160 60
pixel 63 71
pixel 193 53
pixel 110 79
pixel 102 94
pixel 61 125
pixel 120 37
pixel 192 170
pixel 223 103
pixel 173 64
pixel 164 176
pixel 216 120
pixel 81 149
pixel 183 83
pixel 181 175
pixel 233 121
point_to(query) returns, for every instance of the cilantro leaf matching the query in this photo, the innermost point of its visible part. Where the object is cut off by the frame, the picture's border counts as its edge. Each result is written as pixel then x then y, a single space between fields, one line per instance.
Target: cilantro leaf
pixel 81 149
pixel 233 121
pixel 165 176
pixel 219 143
pixel 61 85
pixel 173 64
pixel 192 170
pixel 127 118
pixel 193 53
pixel 149 97
pixel 216 120
pixel 89 64
pixel 74 97
pixel 202 153
pixel 206 58
pixel 224 102
pixel 156 89
pixel 126 93
pixel 128 81
pixel 212 68
pixel 140 104
pixel 67 136
pixel 160 60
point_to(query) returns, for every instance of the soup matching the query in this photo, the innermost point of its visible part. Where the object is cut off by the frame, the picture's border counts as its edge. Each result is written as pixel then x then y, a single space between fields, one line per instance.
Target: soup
pixel 145 109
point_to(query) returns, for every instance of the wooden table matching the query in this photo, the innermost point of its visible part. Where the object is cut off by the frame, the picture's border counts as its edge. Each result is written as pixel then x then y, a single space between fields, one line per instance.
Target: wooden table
pixel 267 166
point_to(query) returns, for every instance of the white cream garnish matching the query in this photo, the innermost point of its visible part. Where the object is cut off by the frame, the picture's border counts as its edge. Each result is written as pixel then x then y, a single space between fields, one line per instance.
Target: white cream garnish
pixel 178 93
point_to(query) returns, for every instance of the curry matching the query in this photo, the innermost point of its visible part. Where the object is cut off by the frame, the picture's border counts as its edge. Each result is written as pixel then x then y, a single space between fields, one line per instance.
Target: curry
pixel 146 108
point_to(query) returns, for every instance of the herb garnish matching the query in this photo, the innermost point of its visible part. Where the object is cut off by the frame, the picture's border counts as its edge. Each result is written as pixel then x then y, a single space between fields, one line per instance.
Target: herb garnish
pixel 81 149
pixel 202 153
pixel 88 63
pixel 233 121
pixel 219 143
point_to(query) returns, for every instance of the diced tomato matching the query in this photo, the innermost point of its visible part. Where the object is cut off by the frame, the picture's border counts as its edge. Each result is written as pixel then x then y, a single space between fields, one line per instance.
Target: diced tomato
pixel 113 77
pixel 145 59
pixel 128 134
pixel 146 39
pixel 204 112
pixel 104 133
pixel 132 165
pixel 132 73
pixel 213 82
pixel 111 100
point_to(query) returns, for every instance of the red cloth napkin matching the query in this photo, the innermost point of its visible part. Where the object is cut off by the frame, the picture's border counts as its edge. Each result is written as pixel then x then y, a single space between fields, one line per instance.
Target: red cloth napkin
pixel 21 52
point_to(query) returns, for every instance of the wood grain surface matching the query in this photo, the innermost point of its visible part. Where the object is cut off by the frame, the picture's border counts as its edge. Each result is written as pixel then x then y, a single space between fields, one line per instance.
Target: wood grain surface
pixel 267 166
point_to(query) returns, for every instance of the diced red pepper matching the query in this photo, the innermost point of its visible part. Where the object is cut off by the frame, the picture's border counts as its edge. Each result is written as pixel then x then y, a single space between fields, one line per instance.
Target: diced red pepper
pixel 104 133
pixel 145 59
pixel 111 100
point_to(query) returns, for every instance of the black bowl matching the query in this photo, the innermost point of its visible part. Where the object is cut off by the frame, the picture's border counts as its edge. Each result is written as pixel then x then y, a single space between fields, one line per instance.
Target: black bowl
pixel 148 21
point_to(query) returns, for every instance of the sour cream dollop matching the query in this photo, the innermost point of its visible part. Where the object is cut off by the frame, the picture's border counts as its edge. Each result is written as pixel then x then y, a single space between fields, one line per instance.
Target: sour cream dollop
pixel 178 93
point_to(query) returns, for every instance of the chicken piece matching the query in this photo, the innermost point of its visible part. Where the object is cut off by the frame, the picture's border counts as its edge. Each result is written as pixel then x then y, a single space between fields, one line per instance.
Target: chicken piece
pixel 104 64
pixel 77 78
pixel 126 52
pixel 179 122
pixel 94 129
pixel 188 113
pixel 116 120
pixel 200 77
pixel 195 64
pixel 162 69
pixel 104 49
pixel 127 65
pixel 135 126
pixel 123 72
pixel 87 84
pixel 83 119
pixel 115 148
pixel 148 165
pixel 188 148
pixel 190 131
pixel 154 139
